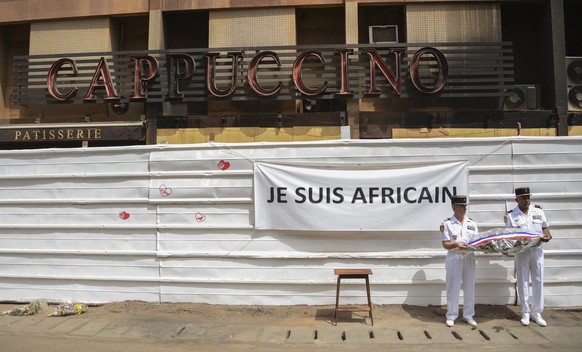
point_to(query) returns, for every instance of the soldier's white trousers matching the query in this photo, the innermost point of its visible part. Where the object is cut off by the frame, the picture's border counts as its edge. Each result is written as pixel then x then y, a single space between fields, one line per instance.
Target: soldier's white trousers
pixel 528 262
pixel 460 270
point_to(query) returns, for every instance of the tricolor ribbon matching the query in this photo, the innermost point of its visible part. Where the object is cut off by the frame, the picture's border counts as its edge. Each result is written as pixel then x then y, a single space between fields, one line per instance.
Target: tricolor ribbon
pixel 521 235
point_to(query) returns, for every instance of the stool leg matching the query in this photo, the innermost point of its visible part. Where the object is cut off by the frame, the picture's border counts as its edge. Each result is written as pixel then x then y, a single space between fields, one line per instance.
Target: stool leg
pixel 337 293
pixel 369 299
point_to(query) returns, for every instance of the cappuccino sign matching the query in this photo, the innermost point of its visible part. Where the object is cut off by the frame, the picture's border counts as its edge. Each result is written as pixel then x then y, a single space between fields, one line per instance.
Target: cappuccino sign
pixel 182 67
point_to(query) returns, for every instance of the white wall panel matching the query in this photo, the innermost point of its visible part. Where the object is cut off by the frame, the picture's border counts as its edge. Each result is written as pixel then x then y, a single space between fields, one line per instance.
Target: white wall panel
pixel 96 215
pixel 176 223
pixel 74 266
pixel 59 290
pixel 193 186
pixel 83 162
pixel 76 239
pixel 205 215
pixel 62 189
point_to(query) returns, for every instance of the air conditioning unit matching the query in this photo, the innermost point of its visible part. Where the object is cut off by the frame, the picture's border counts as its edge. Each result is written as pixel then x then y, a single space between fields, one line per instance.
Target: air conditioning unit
pixel 523 97
pixel 383 34
pixel 574 77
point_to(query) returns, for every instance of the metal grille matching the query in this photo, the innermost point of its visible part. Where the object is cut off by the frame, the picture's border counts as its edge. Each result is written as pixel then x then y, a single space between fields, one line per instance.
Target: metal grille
pixel 475 70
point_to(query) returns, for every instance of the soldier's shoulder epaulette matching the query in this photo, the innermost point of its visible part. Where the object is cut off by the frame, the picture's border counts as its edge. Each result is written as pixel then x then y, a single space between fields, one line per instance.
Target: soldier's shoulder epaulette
pixel 537 206
pixel 442 227
pixel 509 211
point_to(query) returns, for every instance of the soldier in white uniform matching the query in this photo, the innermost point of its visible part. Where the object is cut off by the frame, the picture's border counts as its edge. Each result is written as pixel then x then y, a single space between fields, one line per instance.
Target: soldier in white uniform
pixel 456 231
pixel 530 260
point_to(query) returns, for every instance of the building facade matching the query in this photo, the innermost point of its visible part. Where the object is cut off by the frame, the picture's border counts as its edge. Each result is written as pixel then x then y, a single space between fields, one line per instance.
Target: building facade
pixel 147 72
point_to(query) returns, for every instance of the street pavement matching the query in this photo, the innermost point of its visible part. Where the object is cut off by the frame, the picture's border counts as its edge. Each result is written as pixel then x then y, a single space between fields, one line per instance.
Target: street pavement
pixel 145 327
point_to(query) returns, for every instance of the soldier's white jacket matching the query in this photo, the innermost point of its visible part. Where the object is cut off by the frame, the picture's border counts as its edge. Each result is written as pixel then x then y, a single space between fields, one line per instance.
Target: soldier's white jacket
pixel 533 222
pixel 453 230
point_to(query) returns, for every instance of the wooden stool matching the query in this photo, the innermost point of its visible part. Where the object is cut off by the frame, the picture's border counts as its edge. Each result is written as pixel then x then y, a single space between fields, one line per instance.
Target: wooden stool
pixel 353 274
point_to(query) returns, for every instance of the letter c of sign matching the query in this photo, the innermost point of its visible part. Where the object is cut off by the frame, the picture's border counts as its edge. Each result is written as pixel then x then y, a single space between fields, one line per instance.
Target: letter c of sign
pixel 52 80
pixel 443 67
pixel 252 74
pixel 297 77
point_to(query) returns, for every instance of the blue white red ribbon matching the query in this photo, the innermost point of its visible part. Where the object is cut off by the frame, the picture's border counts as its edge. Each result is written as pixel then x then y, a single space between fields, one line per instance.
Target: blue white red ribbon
pixel 521 235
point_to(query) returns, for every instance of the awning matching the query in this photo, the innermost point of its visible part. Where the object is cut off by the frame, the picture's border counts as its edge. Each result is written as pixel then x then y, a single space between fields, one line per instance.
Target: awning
pixel 61 132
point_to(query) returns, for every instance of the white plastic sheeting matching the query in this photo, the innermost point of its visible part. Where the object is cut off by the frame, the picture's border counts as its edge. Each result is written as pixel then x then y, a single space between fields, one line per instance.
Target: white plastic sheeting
pixel 176 224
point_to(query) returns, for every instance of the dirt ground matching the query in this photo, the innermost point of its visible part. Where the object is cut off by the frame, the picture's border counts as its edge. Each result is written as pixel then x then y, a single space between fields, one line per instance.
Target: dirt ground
pixel 303 315
pixel 295 315
pixel 148 327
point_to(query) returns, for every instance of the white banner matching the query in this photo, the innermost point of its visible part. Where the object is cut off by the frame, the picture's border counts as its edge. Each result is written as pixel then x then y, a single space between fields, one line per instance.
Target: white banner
pixel 402 197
